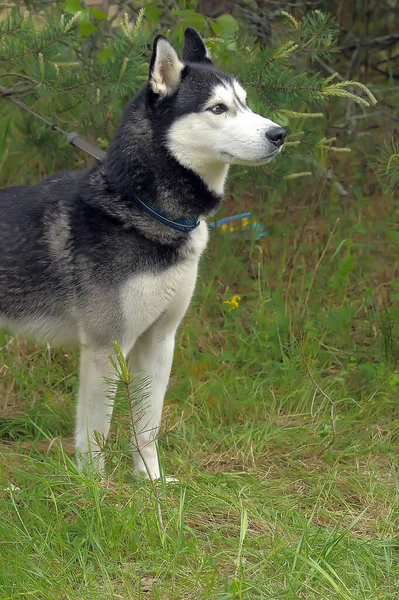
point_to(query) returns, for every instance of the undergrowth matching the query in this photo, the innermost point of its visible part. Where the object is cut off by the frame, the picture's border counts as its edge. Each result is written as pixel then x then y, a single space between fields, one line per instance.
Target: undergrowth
pixel 281 425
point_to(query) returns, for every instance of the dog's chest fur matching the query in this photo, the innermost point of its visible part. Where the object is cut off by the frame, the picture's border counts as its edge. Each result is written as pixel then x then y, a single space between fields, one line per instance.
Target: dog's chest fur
pixel 147 297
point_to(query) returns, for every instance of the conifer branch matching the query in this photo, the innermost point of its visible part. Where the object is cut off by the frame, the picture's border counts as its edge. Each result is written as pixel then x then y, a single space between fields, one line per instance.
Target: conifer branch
pixel 36 50
pixel 135 396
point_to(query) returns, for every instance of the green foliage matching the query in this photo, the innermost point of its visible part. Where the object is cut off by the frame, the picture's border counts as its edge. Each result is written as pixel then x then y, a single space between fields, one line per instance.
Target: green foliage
pixel 66 80
pixel 80 72
pixel 388 167
pixel 283 85
pixel 315 34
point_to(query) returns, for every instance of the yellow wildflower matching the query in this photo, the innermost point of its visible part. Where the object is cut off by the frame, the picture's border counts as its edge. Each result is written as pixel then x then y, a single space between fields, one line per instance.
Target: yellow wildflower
pixel 233 303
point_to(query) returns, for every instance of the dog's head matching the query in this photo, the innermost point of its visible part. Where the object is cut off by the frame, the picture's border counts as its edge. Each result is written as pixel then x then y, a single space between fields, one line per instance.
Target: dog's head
pixel 203 113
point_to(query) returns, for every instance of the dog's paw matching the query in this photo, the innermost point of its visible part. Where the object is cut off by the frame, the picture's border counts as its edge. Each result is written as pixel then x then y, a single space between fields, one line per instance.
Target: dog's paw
pixel 169 479
pixel 158 479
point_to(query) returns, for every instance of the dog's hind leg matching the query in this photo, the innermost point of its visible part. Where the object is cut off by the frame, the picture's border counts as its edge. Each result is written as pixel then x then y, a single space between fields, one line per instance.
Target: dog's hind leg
pixel 95 404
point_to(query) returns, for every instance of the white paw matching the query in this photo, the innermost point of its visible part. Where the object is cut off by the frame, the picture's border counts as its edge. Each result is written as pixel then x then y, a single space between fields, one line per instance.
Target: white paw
pixel 170 480
pixel 157 478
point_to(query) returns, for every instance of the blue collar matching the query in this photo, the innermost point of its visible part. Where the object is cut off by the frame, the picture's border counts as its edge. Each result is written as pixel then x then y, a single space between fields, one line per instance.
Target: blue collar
pixel 179 224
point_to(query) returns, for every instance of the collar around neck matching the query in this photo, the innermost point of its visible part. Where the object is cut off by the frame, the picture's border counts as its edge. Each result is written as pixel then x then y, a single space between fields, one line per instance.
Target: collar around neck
pixel 178 224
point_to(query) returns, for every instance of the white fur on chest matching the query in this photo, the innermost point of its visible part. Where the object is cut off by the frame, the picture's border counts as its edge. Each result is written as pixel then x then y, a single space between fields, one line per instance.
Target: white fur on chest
pixel 146 297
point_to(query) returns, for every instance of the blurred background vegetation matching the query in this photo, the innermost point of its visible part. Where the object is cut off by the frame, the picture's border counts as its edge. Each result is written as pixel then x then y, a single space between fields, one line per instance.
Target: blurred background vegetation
pixel 294 65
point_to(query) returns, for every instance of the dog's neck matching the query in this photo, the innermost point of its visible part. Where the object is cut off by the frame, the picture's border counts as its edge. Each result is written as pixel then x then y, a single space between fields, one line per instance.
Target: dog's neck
pixel 213 174
pixel 172 188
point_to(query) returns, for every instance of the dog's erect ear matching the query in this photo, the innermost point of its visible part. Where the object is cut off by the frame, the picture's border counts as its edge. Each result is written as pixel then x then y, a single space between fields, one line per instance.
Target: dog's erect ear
pixel 165 68
pixel 194 50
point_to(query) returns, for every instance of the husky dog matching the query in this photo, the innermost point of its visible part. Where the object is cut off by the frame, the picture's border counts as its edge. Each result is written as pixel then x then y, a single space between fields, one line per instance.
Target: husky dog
pixel 111 253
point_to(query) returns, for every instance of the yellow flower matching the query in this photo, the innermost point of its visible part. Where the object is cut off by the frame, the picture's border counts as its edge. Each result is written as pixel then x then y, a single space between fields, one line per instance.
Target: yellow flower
pixel 233 303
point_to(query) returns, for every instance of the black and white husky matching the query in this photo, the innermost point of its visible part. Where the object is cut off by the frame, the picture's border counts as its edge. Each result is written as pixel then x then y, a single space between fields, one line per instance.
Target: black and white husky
pixel 111 253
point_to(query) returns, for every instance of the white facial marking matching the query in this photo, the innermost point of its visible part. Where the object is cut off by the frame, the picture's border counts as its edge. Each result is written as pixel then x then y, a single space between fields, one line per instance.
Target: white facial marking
pixel 206 142
pixel 222 95
pixel 241 93
pixel 165 76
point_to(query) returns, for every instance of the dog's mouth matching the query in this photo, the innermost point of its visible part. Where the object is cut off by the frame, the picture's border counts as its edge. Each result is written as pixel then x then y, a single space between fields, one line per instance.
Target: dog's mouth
pixel 256 161
pixel 271 155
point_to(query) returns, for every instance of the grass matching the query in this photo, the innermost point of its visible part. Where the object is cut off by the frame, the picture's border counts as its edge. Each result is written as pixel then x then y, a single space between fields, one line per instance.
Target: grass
pixel 281 424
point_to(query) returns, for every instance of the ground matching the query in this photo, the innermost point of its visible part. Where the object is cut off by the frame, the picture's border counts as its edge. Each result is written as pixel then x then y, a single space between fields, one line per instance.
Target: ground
pixel 281 425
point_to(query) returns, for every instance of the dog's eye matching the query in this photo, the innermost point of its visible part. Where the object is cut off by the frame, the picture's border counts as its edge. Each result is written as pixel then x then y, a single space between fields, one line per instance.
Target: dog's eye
pixel 218 109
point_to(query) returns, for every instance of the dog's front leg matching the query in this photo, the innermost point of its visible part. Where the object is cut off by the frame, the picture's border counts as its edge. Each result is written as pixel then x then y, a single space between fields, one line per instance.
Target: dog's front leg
pixel 95 404
pixel 151 361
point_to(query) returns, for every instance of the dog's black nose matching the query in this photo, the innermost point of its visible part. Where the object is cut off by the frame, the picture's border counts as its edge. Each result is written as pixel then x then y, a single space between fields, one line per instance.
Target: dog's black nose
pixel 276 135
